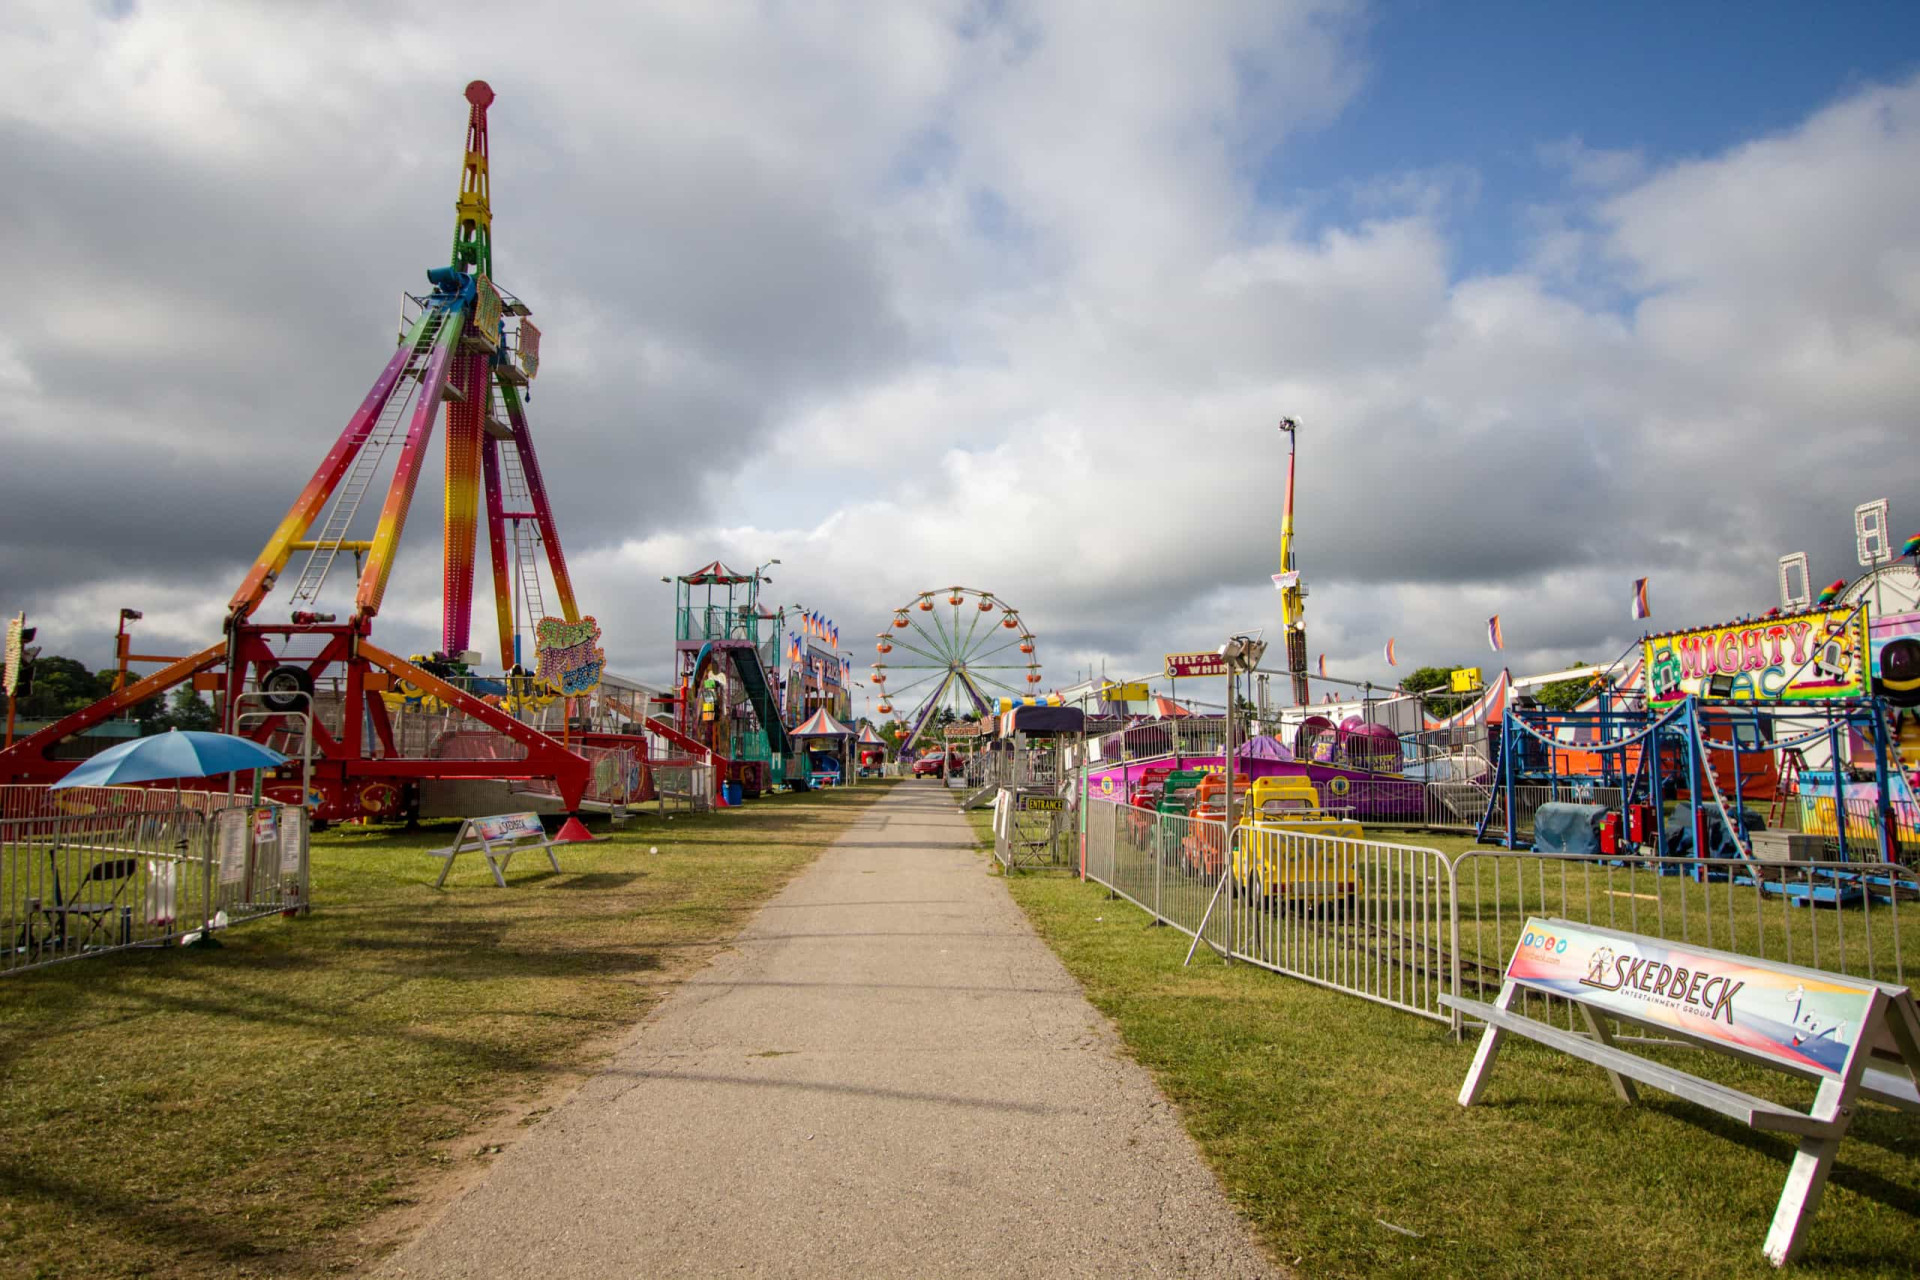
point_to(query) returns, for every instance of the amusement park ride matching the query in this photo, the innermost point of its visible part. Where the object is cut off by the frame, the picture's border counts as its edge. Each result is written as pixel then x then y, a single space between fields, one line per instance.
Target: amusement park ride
pixel 951 639
pixel 1293 592
pixel 466 344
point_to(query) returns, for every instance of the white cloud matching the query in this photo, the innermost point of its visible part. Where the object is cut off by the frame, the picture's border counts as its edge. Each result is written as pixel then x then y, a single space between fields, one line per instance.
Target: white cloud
pixel 975 293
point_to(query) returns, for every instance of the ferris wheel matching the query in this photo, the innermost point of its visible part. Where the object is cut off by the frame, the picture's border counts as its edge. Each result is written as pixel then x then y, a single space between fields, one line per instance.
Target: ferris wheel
pixel 958 649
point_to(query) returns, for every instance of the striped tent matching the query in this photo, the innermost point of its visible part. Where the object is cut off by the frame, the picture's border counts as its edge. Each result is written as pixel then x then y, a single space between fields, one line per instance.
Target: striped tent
pixel 820 725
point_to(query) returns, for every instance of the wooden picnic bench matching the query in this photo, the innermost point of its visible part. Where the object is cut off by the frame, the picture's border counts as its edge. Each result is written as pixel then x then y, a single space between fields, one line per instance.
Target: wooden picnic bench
pixel 497 838
pixel 1855 1036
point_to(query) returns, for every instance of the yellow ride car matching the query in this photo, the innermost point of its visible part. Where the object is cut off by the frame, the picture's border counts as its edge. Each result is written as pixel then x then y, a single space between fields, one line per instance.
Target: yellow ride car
pixel 1287 853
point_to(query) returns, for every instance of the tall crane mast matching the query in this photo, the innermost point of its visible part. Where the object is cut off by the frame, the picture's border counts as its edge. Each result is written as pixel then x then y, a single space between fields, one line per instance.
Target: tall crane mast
pixel 1293 592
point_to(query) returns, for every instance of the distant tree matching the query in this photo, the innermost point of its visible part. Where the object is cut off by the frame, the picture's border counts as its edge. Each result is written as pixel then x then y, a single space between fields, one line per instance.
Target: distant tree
pixel 188 710
pixel 1565 695
pixel 62 686
pixel 1428 680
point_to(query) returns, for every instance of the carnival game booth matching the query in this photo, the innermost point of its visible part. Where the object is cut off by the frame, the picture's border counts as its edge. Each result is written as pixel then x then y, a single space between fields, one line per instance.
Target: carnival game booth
pixel 828 748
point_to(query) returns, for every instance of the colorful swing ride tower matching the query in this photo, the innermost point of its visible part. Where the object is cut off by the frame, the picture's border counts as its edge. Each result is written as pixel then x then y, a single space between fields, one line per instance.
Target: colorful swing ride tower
pixel 470 346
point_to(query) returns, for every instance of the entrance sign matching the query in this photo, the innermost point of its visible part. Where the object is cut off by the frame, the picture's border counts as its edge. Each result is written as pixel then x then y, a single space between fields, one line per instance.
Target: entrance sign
pixel 1182 665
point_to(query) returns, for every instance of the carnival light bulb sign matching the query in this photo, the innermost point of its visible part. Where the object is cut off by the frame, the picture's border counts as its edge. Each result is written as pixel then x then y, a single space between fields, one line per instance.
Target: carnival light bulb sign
pixel 1796 658
pixel 568 656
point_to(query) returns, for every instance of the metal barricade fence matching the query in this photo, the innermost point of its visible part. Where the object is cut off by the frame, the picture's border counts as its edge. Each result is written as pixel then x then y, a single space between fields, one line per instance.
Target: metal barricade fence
pixel 1034 828
pixel 37 800
pixel 1402 924
pixel 1166 864
pixel 1368 918
pixel 687 786
pixel 1844 917
pixel 618 777
pixel 75 885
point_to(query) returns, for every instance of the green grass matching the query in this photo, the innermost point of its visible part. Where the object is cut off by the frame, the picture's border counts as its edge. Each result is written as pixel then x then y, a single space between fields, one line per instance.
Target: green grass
pixel 1327 1116
pixel 250 1110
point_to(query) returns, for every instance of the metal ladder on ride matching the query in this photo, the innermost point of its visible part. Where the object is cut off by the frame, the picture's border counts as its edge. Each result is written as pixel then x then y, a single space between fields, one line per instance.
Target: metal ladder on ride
pixel 326 547
pixel 527 544
pixel 1787 790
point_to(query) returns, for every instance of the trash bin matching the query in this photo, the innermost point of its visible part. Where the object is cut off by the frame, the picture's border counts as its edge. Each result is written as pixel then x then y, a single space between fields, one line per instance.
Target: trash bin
pixel 733 794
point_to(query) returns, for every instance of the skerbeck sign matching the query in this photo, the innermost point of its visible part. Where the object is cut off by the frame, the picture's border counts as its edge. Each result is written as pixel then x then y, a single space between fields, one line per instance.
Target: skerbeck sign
pixel 1803 1019
pixel 1182 665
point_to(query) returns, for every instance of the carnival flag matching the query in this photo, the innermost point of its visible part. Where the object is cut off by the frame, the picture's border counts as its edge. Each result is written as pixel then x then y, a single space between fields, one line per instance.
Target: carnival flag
pixel 1496 638
pixel 1392 658
pixel 1291 578
pixel 1323 666
pixel 1640 607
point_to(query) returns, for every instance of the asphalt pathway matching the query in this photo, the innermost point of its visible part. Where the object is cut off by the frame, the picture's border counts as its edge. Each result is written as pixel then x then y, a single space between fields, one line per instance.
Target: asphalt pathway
pixel 891 1075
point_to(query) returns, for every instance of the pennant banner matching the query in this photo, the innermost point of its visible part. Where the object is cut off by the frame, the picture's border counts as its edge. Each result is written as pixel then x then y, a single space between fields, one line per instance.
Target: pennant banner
pixel 1640 607
pixel 1496 638
pixel 1392 659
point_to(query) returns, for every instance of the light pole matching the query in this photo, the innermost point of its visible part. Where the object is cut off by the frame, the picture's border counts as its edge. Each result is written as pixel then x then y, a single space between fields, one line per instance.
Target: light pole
pixel 1243 653
pixel 120 645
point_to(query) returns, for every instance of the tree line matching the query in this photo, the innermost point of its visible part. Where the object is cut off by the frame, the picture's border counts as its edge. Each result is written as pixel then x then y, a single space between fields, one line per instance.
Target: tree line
pixel 62 686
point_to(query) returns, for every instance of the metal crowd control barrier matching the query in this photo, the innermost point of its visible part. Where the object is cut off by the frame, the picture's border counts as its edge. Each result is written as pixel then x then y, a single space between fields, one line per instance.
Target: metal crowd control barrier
pixel 1033 827
pixel 1359 916
pixel 80 884
pixel 686 786
pixel 1402 924
pixel 1844 917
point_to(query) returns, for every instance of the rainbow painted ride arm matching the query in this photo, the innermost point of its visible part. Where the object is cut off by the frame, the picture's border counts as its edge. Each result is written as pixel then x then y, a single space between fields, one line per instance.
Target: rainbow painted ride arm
pixel 406 472
pixel 307 507
pixel 537 491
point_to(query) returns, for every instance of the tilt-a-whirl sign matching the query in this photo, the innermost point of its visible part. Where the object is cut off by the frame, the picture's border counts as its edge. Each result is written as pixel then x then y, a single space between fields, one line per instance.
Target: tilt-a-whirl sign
pixel 1796 657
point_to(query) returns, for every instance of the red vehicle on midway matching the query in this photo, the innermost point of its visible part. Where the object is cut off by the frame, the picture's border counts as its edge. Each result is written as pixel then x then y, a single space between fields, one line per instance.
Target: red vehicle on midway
pixel 931 766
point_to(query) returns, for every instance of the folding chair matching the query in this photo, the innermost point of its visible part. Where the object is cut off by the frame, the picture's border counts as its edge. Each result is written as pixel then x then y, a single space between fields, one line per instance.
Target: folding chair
pixel 112 877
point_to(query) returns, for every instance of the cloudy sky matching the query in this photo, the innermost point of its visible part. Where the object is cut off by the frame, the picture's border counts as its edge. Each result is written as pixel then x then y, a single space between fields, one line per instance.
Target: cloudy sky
pixel 1001 293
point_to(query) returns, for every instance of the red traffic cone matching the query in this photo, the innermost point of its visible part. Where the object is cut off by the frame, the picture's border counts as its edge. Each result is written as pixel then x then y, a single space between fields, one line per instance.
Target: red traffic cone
pixel 574 831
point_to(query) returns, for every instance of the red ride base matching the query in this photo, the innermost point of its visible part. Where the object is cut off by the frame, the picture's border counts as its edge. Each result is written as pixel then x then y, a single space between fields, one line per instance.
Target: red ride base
pixel 574 831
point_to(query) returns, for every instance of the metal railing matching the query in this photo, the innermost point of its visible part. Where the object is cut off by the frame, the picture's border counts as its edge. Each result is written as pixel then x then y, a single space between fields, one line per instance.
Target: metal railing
pixel 684 786
pixel 1846 917
pixel 1360 916
pixel 74 885
pixel 1038 836
pixel 1401 924
pixel 619 777
pixel 37 800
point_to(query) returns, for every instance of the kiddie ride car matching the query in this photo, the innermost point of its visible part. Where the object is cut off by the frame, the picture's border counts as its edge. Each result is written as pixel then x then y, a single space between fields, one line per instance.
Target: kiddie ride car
pixel 1296 852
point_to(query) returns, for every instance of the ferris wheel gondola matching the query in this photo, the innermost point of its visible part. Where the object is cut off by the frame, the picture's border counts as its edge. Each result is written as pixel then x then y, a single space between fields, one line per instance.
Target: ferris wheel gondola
pixel 953 655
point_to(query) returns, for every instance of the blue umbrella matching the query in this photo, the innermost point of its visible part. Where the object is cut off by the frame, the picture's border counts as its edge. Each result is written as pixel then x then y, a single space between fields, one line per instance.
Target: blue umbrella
pixel 172 755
